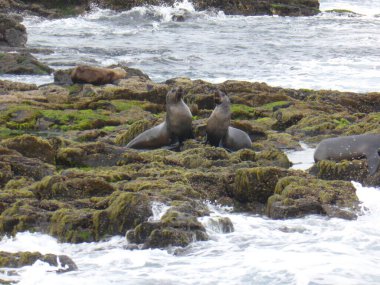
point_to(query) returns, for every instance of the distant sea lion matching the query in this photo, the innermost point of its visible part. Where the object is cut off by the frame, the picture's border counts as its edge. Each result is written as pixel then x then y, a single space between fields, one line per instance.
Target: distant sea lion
pixel 218 129
pixel 351 147
pixel 175 129
pixel 96 75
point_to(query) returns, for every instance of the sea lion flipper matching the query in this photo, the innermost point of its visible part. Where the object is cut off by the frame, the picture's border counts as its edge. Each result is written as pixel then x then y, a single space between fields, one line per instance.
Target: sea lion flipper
pixel 373 161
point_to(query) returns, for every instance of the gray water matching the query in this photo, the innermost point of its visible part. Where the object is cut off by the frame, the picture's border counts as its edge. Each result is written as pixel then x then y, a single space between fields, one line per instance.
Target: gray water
pixel 328 51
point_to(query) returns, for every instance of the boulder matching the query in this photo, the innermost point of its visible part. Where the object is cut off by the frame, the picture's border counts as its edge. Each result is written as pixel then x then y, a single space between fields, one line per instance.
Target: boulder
pixel 22 63
pixel 12 32
pixel 32 146
pixel 20 259
pixel 298 196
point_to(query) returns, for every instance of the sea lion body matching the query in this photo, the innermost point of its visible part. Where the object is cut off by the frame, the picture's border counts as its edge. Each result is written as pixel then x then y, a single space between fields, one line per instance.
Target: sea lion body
pixel 218 129
pixel 175 129
pixel 219 120
pixel 178 116
pixel 351 147
pixel 96 75
pixel 236 139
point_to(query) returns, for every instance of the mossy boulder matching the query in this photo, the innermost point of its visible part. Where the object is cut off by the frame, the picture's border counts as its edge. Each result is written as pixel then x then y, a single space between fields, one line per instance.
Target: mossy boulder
pixel 273 157
pixel 21 259
pixel 256 184
pixel 133 131
pixel 28 167
pixel 32 146
pixel 71 187
pixel 22 63
pixel 220 224
pixel 298 196
pixel 24 215
pixel 174 229
pixel 12 32
pixel 90 154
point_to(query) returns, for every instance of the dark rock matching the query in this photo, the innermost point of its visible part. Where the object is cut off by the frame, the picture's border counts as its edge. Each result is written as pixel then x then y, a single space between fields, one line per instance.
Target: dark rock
pixel 12 32
pixel 22 63
pixel 20 259
pixel 220 224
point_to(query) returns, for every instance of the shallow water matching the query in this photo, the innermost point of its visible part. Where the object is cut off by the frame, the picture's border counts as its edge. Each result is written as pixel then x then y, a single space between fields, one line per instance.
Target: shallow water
pixel 328 51
pixel 312 250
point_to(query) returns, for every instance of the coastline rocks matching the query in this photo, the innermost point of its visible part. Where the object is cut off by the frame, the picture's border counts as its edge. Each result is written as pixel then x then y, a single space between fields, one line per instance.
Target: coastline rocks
pixel 235 7
pixel 12 32
pixel 21 259
pixel 22 63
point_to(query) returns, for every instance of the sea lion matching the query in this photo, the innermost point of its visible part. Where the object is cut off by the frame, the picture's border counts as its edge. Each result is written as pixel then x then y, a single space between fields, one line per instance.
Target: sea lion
pixel 175 129
pixel 218 129
pixel 96 75
pixel 351 147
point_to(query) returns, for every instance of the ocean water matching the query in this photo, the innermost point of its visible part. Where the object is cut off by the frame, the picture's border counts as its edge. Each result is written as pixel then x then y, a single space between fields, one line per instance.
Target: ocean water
pixel 328 51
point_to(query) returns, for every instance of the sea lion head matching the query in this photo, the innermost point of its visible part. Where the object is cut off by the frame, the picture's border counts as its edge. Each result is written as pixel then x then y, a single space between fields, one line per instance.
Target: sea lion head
pixel 221 98
pixel 174 95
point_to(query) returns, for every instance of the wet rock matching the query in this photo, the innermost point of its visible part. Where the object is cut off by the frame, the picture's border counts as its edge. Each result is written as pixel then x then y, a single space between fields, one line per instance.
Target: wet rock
pixel 12 32
pixel 20 259
pixel 257 184
pixel 174 229
pixel 71 187
pixel 298 196
pixel 31 146
pixel 220 224
pixel 235 7
pixel 22 63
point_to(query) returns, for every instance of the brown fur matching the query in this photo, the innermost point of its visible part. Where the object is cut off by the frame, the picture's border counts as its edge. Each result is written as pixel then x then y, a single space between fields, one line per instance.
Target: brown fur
pixel 96 75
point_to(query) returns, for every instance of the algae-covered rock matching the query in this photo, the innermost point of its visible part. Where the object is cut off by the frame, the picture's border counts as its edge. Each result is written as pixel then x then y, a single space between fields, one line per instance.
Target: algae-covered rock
pixel 90 154
pixel 174 229
pixel 22 63
pixel 133 131
pixel 71 187
pixel 273 157
pixel 220 224
pixel 32 146
pixel 297 197
pixel 12 32
pixel 23 215
pixel 29 167
pixel 20 259
pixel 257 184
pixel 356 170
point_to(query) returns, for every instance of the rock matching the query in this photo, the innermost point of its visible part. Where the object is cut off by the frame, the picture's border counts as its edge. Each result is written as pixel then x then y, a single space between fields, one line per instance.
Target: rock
pixel 22 63
pixel 71 187
pixel 12 32
pixel 297 197
pixel 7 86
pixel 90 154
pixel 174 229
pixel 33 147
pixel 235 7
pixel 29 167
pixel 21 259
pixel 220 224
pixel 257 184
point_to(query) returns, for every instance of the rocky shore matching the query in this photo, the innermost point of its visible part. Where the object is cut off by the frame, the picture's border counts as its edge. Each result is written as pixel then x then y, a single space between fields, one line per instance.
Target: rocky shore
pixel 59 8
pixel 65 169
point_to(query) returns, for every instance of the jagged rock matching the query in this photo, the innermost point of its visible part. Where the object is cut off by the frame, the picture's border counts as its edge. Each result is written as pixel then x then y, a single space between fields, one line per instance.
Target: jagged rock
pixel 220 224
pixel 20 259
pixel 12 32
pixel 7 86
pixel 22 63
